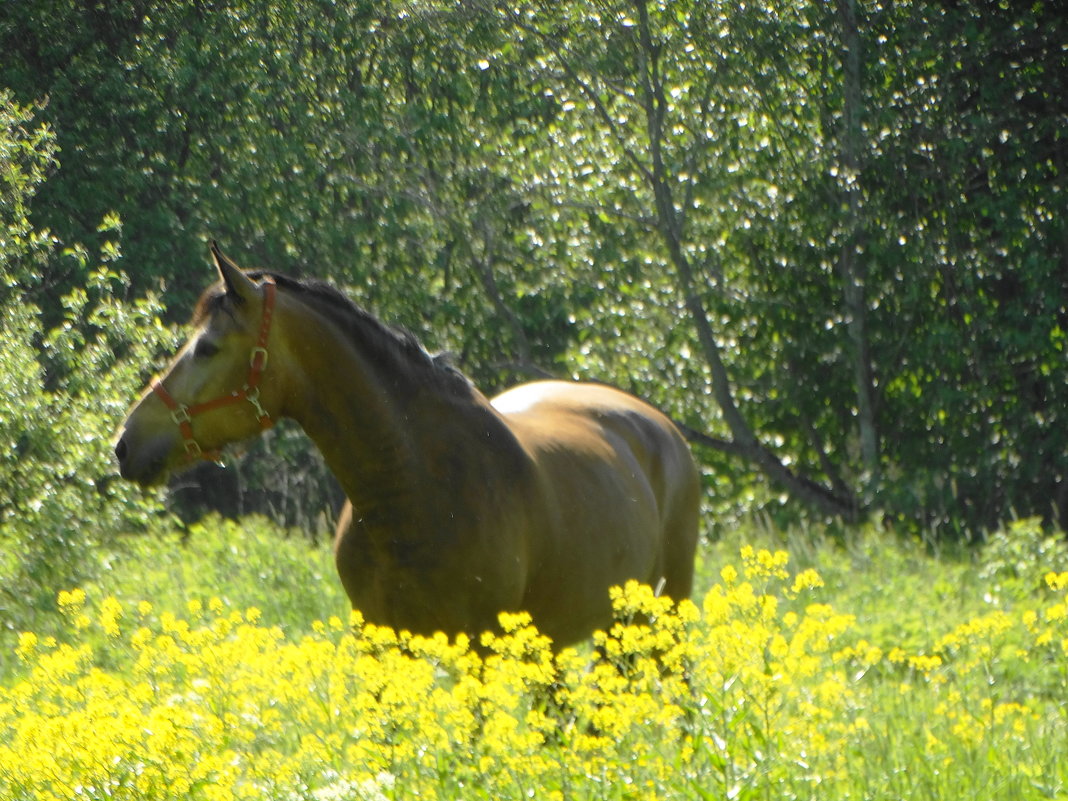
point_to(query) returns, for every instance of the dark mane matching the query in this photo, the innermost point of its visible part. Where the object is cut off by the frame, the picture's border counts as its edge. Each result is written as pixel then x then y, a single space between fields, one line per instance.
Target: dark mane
pixel 388 346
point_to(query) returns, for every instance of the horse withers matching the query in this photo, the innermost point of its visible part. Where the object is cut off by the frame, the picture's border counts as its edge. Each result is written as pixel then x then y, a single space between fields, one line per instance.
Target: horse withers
pixel 459 507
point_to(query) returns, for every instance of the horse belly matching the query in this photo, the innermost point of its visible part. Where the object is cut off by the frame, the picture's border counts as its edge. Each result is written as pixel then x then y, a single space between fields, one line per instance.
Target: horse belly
pixel 449 584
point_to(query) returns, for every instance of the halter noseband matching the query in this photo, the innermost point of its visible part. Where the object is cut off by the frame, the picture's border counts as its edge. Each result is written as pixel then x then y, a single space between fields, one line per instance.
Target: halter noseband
pixel 183 415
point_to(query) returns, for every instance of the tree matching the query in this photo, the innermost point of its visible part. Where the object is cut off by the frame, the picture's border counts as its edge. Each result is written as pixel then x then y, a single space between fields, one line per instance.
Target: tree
pixel 675 110
pixel 749 144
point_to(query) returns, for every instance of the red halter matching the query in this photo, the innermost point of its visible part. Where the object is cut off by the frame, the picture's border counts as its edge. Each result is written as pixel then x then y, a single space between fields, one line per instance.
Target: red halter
pixel 183 415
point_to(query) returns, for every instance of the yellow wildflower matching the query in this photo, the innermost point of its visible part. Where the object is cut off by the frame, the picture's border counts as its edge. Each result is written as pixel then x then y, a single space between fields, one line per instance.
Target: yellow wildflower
pixel 28 642
pixel 806 580
pixel 1057 581
pixel 729 575
pixel 110 614
pixel 71 601
pixel 925 663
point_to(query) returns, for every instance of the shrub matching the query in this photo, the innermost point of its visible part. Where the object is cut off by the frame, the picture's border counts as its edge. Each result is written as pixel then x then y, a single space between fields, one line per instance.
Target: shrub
pixel 65 388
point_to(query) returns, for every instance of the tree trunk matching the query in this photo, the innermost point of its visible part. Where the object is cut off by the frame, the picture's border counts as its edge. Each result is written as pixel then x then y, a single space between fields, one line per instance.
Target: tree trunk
pixel 852 264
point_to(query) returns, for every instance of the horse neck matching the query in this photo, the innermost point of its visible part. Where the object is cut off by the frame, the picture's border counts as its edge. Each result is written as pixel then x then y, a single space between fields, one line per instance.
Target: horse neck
pixel 383 429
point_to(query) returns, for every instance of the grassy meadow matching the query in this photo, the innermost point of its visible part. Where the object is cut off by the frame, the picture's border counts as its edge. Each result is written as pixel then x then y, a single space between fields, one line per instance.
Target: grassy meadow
pixel 806 666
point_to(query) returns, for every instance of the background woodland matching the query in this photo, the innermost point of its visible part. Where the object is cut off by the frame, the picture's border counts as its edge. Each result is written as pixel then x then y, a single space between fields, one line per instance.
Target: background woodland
pixel 827 237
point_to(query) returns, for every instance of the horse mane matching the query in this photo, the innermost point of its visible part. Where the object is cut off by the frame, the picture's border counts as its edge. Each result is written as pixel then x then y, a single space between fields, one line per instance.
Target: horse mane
pixel 389 347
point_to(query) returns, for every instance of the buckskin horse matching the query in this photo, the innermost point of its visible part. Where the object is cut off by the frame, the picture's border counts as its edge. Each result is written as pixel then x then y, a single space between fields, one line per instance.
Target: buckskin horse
pixel 459 507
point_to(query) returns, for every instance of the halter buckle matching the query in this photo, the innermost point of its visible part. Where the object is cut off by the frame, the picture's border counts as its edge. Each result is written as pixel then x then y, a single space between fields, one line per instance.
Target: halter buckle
pixel 259 350
pixel 193 449
pixel 180 415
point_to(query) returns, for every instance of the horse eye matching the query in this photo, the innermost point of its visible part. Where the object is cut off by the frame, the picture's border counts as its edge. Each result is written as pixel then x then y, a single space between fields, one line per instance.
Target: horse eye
pixel 204 349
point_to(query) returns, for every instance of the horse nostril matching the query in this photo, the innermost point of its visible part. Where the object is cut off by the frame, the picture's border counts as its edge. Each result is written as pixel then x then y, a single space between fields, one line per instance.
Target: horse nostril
pixel 120 449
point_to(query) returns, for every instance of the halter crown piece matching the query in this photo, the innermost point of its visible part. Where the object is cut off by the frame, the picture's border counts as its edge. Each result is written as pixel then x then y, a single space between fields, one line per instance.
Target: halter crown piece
pixel 183 415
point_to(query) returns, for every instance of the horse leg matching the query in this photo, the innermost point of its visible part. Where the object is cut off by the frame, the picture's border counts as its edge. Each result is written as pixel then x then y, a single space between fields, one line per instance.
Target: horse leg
pixel 680 532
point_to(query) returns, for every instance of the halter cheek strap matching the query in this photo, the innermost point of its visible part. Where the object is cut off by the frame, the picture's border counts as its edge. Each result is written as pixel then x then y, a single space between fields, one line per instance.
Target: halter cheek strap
pixel 183 415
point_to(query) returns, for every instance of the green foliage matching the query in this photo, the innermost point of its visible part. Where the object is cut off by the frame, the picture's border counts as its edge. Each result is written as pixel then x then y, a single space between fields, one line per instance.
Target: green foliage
pixel 60 492
pixel 64 392
pixel 1009 555
pixel 27 152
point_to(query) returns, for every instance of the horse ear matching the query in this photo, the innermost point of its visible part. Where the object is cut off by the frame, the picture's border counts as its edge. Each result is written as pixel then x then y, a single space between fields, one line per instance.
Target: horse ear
pixel 238 285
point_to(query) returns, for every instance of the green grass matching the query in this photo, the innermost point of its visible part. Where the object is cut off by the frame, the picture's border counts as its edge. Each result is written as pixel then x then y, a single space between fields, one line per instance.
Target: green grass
pixel 898 591
pixel 246 563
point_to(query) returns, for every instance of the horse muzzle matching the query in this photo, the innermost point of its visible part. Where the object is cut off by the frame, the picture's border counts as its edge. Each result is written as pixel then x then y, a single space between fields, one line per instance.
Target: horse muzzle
pixel 143 462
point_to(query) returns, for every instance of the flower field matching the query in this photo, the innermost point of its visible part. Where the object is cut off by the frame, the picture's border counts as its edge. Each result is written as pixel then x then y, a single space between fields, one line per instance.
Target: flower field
pixel 773 683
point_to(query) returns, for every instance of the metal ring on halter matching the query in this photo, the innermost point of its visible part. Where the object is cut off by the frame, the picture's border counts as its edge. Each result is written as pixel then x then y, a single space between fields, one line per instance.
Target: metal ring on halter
pixel 253 397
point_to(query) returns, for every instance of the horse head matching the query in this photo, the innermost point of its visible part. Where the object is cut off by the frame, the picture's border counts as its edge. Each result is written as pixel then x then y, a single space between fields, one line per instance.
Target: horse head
pixel 212 393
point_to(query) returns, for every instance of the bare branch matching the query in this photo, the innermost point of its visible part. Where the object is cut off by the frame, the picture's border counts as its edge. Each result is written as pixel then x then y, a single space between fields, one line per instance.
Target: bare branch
pixel 584 87
pixel 484 269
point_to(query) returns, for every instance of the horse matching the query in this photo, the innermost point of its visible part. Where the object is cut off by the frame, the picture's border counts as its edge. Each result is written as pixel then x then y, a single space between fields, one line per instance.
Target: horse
pixel 459 507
